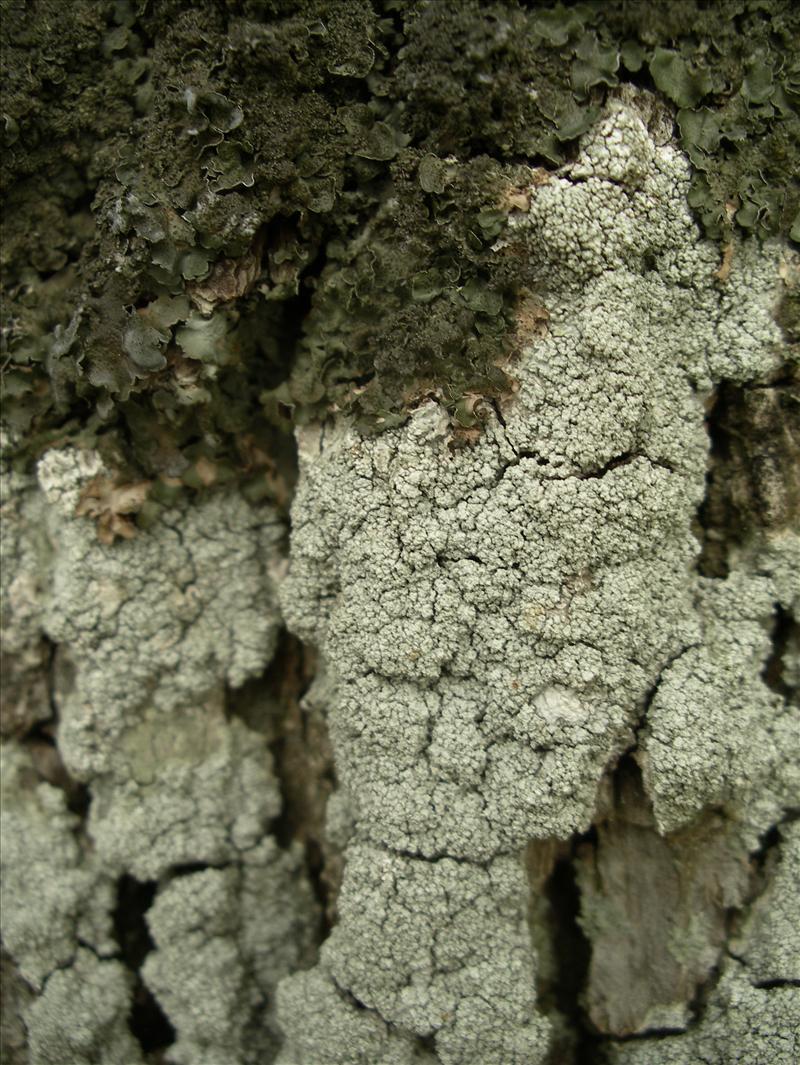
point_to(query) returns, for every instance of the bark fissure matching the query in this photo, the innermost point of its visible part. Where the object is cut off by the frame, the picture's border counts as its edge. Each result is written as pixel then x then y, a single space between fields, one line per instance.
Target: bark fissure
pixel 147 1021
pixel 753 477
pixel 785 633
pixel 562 993
pixel 302 761
pixel 41 741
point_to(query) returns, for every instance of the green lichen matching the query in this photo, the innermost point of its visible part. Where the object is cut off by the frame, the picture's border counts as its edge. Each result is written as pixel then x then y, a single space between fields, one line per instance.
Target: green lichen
pixel 732 72
pixel 295 199
pixel 178 165
pixel 478 78
pixel 418 303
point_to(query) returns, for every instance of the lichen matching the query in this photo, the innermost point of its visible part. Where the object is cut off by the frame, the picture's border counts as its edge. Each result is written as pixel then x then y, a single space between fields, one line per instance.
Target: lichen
pixel 151 632
pixel 43 860
pixel 358 154
pixel 244 927
pixel 470 226
pixel 499 624
pixel 742 1023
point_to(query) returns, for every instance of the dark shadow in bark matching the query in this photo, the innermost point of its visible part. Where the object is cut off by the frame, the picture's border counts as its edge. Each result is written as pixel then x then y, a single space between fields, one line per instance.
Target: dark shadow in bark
pixel 564 950
pixel 573 953
pixel 785 632
pixel 302 761
pixel 753 478
pixel 146 1020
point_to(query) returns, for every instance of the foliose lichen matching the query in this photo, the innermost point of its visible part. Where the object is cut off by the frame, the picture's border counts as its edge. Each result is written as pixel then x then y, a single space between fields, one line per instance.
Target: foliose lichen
pixel 185 181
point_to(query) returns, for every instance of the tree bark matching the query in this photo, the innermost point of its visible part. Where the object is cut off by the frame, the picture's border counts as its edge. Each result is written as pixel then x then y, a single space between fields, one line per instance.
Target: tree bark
pixel 401 558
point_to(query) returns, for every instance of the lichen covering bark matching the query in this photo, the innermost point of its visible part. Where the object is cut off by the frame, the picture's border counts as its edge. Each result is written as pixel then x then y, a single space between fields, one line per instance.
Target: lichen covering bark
pixel 536 332
pixel 499 624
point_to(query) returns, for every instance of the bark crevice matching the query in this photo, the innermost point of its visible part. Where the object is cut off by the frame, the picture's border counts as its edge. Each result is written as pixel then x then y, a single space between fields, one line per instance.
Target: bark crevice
pixel 147 1022
pixel 302 761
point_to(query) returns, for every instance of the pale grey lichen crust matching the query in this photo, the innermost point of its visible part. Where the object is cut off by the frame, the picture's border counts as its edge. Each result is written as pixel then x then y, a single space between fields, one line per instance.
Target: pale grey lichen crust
pixel 149 631
pixel 495 620
pixel 715 732
pixel 155 627
pixel 43 859
pixel 768 944
pixel 223 939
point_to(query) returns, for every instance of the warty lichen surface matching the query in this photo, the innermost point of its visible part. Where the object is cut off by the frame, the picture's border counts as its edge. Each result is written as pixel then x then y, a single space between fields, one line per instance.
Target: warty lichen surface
pixel 163 618
pixel 55 917
pixel 149 632
pixel 494 620
pixel 81 1017
pixel 749 733
pixel 155 627
pixel 43 859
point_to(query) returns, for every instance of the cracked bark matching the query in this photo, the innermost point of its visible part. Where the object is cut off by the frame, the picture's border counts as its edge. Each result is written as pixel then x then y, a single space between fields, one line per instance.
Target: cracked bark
pixel 604 904
pixel 609 908
pixel 147 1021
pixel 303 762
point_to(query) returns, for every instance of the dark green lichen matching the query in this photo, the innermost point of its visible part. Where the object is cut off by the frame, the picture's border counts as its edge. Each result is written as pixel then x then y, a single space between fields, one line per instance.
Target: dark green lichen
pixel 223 216
pixel 418 301
pixel 731 69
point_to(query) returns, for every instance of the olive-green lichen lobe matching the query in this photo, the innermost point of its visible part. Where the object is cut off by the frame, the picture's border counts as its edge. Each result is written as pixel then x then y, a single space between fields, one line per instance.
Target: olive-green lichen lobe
pixel 176 304
pixel 523 81
pixel 235 212
pixel 736 83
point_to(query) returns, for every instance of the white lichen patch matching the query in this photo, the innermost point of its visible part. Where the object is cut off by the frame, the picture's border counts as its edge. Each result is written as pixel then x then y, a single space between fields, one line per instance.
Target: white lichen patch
pixel 64 472
pixel 471 591
pixel 190 787
pixel 494 620
pixel 155 627
pixel 244 927
pixel 81 1017
pixel 53 891
pixel 457 956
pixel 327 1029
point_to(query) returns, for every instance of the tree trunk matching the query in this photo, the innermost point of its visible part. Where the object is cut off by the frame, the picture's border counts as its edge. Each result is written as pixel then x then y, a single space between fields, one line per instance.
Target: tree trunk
pixel 401 556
